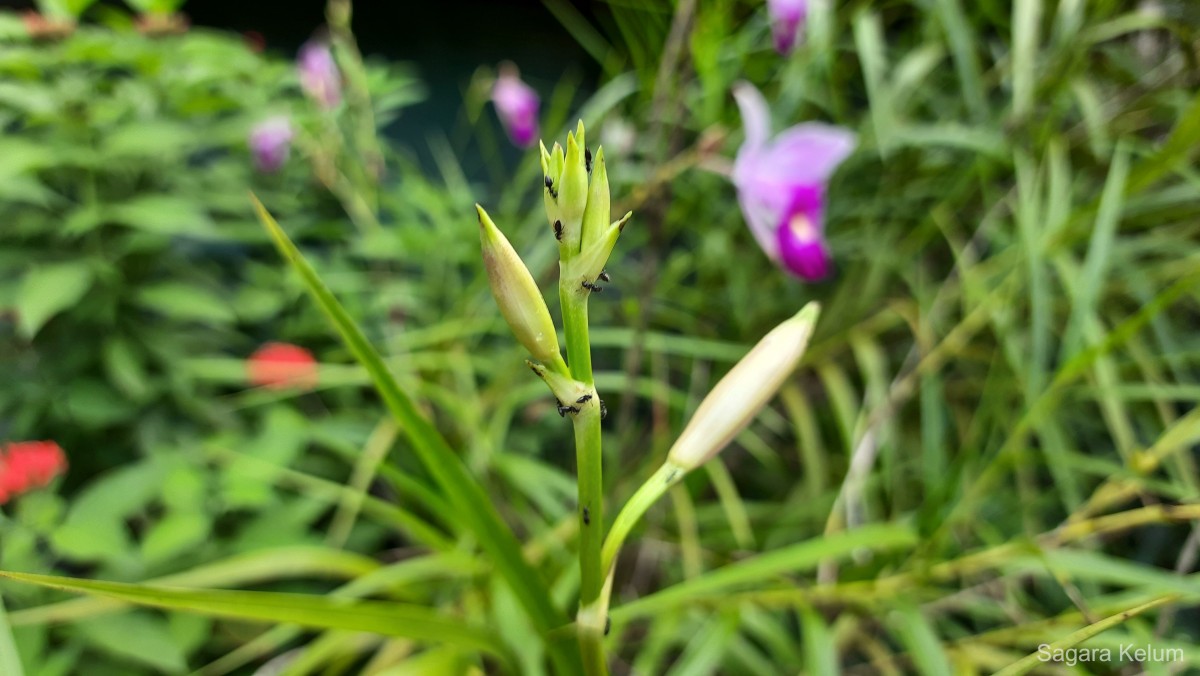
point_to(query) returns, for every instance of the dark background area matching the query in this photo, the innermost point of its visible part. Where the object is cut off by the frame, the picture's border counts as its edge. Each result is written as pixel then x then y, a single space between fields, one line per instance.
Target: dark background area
pixel 444 41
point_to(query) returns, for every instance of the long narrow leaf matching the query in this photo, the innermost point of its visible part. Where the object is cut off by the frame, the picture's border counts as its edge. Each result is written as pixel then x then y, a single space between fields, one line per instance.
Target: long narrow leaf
pixel 10 662
pixel 378 617
pixel 243 569
pixel 788 560
pixel 463 491
pixel 1031 662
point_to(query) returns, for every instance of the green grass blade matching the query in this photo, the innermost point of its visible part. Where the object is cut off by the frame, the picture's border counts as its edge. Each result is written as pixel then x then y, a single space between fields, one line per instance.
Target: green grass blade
pixel 1027 16
pixel 868 38
pixel 253 567
pixel 788 560
pixel 10 661
pixel 1033 661
pixel 1091 280
pixel 460 488
pixel 377 617
pixel 966 62
pixel 921 641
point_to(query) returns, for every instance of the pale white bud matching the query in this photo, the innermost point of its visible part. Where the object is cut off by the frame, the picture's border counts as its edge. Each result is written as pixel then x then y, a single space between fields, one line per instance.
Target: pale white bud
pixel 742 393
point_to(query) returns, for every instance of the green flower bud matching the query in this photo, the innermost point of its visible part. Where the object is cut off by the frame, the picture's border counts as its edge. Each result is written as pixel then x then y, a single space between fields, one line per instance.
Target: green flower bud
pixel 518 296
pixel 590 262
pixel 572 195
pixel 597 214
pixel 552 167
pixel 742 393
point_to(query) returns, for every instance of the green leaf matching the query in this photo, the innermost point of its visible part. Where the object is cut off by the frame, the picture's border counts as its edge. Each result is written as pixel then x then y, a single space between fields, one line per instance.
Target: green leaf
pixel 176 533
pixel 788 560
pixel 153 646
pixel 1033 661
pixel 10 662
pixel 377 617
pixel 251 568
pixel 460 488
pixel 186 302
pixel 921 642
pixel 164 214
pixel 95 527
pixel 48 290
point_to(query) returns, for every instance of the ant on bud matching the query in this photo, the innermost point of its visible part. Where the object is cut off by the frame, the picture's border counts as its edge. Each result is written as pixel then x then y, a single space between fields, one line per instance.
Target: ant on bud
pixel 550 187
pixel 587 159
pixel 603 276
pixel 592 287
pixel 584 399
pixel 558 229
pixel 564 410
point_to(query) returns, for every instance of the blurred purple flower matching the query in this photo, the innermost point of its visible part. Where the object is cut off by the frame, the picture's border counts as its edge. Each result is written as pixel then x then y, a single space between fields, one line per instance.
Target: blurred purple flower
pixel 516 105
pixel 781 184
pixel 787 16
pixel 319 74
pixel 270 143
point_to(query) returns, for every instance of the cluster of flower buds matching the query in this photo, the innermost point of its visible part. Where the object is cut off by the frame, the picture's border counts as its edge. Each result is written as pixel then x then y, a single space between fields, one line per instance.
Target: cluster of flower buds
pixel 578 210
pixel 27 465
pixel 577 205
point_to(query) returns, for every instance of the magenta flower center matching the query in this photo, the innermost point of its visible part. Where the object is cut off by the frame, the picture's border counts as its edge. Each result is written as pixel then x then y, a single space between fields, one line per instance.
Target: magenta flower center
pixel 802 247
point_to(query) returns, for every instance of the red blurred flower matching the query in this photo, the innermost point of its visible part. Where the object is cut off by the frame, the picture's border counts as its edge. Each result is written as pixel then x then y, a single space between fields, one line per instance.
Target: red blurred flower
pixel 282 365
pixel 255 41
pixel 27 465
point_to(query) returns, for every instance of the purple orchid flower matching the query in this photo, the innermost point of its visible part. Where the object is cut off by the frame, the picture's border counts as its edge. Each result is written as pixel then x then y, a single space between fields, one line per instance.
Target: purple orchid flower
pixel 319 75
pixel 781 184
pixel 517 106
pixel 787 16
pixel 270 143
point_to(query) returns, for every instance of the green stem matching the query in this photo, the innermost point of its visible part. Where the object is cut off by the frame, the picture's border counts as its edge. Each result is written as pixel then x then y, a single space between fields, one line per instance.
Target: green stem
pixel 647 494
pixel 588 459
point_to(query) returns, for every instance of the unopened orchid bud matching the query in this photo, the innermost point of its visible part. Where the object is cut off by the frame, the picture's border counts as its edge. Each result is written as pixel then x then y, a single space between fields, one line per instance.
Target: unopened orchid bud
pixel 319 74
pixel 787 20
pixel 742 393
pixel 597 214
pixel 270 143
pixel 516 105
pixel 572 192
pixel 552 168
pixel 587 266
pixel 518 296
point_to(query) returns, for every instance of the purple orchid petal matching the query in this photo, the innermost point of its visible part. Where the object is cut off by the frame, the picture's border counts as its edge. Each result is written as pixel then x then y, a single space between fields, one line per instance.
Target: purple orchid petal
pixel 517 106
pixel 756 117
pixel 781 181
pixel 787 16
pixel 319 75
pixel 806 153
pixel 270 143
pixel 803 250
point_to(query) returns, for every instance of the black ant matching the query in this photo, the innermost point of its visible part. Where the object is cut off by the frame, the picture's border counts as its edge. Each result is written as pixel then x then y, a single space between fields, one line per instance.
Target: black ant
pixel 564 410
pixel 550 187
pixel 558 229
pixel 592 287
